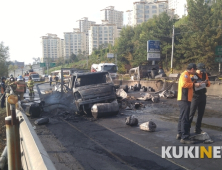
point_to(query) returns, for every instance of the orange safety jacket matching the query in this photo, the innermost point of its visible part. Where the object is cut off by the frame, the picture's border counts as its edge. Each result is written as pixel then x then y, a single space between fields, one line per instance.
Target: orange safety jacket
pixel 185 87
pixel 201 76
pixel 20 86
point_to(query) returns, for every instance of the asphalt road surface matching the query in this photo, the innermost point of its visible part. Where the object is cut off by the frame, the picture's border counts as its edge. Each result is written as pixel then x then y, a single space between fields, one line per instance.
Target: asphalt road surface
pixel 80 142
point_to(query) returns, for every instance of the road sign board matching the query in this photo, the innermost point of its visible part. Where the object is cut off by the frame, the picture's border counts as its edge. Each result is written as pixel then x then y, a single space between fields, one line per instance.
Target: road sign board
pixel 52 64
pixel 110 55
pixel 42 65
pixel 218 59
pixel 153 46
pixel 218 50
pixel 153 56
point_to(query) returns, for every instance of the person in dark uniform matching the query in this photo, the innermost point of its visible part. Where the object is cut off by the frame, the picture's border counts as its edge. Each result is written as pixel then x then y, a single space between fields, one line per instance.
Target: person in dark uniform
pixel 199 97
pixel 3 87
pixel 50 80
pixel 184 97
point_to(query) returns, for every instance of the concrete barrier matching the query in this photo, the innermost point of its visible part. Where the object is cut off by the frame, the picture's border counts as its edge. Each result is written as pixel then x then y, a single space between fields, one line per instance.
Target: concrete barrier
pixel 214 89
pixel 33 154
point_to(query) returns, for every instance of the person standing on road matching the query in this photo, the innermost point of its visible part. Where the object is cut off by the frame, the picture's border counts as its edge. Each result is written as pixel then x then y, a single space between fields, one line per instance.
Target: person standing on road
pixel 199 97
pixel 184 97
pixel 50 80
pixel 56 79
pixel 30 85
pixel 3 92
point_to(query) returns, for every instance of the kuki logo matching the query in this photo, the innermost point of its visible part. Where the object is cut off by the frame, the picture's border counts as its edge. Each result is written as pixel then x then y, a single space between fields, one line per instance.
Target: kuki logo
pixel 191 152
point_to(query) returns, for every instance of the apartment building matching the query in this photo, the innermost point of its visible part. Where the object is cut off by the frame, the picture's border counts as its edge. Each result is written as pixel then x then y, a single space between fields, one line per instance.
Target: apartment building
pixel 51 47
pixel 146 9
pixel 180 6
pixel 111 16
pixel 74 42
pixel 102 34
pixel 85 24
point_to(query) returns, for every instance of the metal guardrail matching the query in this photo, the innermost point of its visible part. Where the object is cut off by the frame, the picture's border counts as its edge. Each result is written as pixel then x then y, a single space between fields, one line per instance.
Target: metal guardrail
pixel 33 154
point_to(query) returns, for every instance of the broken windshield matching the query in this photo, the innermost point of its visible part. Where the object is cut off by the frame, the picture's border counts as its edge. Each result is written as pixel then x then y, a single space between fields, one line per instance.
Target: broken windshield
pixel 110 68
pixel 92 79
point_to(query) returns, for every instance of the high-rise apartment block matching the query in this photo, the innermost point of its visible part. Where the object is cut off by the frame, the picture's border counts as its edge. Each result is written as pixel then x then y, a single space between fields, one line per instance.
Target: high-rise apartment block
pixel 180 6
pixel 74 42
pixel 111 16
pixel 146 9
pixel 102 34
pixel 51 47
pixel 85 24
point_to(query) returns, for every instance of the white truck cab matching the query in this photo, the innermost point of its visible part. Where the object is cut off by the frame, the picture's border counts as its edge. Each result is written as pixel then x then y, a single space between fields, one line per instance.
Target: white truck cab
pixel 109 67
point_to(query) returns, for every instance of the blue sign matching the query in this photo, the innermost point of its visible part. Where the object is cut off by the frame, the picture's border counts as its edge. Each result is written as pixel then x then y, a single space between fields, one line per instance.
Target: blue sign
pixel 153 46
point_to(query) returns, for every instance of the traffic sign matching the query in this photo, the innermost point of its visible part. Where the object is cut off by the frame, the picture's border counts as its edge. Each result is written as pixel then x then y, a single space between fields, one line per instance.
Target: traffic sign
pixel 218 50
pixel 153 56
pixel 42 65
pixel 218 59
pixel 52 64
pixel 110 55
pixel 153 46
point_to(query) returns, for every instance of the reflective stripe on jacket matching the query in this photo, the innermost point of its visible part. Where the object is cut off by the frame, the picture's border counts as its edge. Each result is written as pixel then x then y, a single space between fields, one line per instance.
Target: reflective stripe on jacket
pixel 185 87
pixel 20 86
pixel 30 83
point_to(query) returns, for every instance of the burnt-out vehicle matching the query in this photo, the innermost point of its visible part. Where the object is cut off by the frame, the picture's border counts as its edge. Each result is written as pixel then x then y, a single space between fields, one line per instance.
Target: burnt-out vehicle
pixel 91 88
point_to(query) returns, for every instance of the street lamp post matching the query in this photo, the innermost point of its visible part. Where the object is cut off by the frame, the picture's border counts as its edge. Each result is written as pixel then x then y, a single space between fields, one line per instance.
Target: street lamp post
pixel 172 51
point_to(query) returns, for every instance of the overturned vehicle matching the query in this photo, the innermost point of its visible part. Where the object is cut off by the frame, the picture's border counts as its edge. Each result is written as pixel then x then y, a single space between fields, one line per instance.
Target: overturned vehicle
pixel 90 90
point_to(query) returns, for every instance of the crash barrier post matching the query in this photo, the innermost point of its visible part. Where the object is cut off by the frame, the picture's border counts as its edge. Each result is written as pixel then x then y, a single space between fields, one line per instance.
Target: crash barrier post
pixel 34 155
pixel 13 138
pixel 8 113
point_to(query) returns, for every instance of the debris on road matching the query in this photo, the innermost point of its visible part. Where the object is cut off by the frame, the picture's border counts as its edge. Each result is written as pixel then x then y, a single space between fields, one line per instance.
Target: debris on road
pixel 105 109
pixel 202 137
pixel 155 99
pixel 42 121
pixel 34 110
pixel 121 93
pixel 168 94
pixel 131 121
pixel 124 87
pixel 149 126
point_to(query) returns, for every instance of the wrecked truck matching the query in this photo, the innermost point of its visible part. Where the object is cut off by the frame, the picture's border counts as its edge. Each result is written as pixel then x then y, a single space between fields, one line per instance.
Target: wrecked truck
pixel 91 88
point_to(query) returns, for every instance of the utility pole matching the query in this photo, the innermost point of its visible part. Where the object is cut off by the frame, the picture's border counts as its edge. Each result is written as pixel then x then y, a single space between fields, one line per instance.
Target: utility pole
pixel 172 51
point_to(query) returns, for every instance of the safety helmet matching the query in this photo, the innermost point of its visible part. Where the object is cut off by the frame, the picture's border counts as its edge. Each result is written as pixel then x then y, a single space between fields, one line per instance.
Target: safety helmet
pixel 11 75
pixel 3 78
pixel 19 78
pixel 12 79
pixel 201 67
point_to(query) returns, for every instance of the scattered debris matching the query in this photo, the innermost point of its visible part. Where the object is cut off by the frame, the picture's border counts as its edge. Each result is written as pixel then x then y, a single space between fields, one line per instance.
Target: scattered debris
pixel 42 121
pixel 202 137
pixel 105 109
pixel 148 126
pixel 121 93
pixel 168 94
pixel 34 110
pixel 131 121
pixel 138 105
pixel 155 99
pixel 124 87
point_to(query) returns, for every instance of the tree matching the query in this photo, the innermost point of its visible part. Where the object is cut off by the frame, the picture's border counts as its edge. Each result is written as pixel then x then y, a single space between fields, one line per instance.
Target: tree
pixel 198 38
pixel 73 58
pixel 4 56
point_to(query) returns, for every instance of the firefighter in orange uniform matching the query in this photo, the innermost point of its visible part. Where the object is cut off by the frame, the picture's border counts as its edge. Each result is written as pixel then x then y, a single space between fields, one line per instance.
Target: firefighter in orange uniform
pixel 185 95
pixel 20 87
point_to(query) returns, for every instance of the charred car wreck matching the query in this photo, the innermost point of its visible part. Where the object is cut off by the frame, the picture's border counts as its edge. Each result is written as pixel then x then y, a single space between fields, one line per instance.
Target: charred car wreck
pixel 92 88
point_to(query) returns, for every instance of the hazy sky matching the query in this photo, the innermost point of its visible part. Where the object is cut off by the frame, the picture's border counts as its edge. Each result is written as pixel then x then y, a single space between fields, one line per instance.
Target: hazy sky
pixel 23 22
